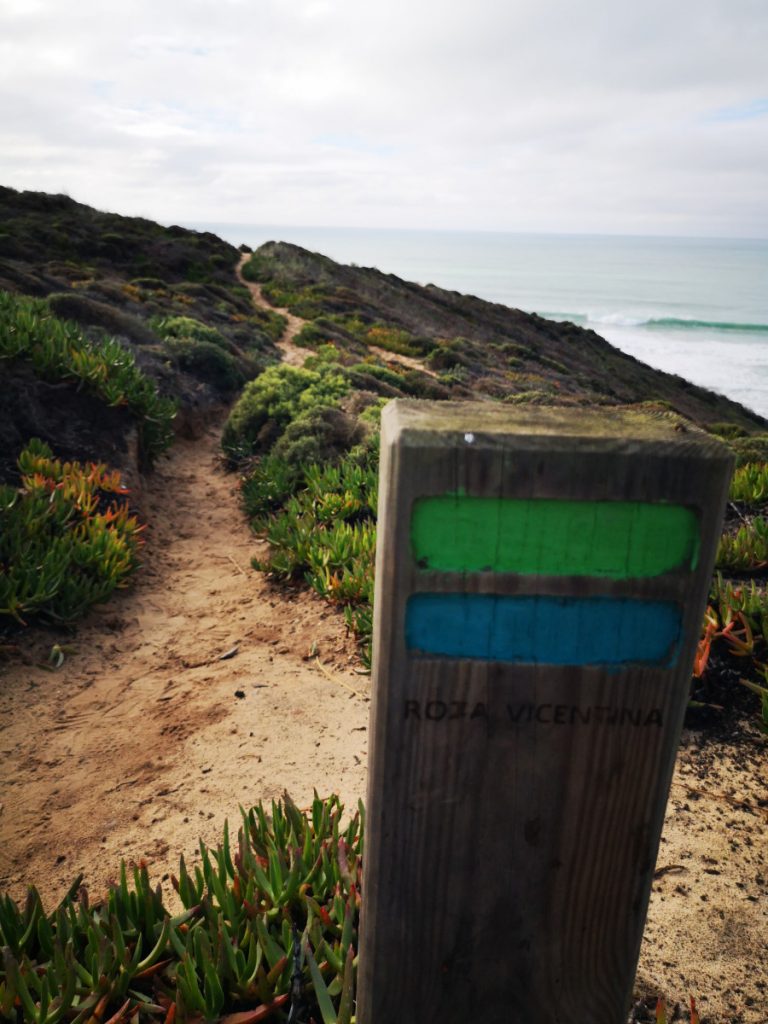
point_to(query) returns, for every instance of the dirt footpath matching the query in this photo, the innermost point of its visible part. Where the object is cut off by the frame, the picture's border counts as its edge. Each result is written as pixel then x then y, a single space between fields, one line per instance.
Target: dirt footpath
pixel 187 696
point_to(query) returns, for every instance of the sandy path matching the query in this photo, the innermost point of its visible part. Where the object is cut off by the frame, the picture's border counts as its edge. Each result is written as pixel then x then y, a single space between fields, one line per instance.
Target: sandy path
pixel 144 739
pixel 294 354
pixel 409 362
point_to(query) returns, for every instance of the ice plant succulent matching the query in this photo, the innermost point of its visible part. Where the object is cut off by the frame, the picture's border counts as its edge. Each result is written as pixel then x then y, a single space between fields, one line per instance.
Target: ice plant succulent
pixel 58 350
pixel 68 537
pixel 267 923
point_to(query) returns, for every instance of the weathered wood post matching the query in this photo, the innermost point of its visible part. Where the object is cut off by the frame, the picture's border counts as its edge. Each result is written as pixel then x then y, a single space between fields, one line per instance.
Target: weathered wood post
pixel 541 579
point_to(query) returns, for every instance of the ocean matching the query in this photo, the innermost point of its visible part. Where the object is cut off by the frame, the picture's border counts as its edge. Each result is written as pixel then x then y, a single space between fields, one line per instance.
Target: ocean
pixel 697 307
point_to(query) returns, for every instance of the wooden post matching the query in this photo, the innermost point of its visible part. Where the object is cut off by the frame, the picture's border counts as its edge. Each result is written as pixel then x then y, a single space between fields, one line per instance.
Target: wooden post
pixel 541 579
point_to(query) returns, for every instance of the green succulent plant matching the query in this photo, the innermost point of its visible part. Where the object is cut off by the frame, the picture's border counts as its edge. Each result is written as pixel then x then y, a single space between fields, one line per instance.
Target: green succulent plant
pixel 57 350
pixel 67 537
pixel 268 921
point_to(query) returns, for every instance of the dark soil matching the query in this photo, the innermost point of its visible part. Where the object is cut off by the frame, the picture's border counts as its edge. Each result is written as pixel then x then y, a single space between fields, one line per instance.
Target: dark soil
pixel 75 424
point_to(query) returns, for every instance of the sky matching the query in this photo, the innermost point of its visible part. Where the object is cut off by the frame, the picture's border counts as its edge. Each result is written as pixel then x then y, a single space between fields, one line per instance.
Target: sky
pixel 596 116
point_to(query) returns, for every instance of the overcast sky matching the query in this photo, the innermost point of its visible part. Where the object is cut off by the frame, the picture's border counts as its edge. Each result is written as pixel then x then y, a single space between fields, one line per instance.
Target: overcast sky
pixel 524 115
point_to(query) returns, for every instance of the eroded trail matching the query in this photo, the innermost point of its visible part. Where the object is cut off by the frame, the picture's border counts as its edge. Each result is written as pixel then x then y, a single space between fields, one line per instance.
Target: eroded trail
pixel 146 738
pixel 292 354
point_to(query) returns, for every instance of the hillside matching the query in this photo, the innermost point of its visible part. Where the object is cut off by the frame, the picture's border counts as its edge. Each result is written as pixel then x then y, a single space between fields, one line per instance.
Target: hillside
pixel 474 348
pixel 168 295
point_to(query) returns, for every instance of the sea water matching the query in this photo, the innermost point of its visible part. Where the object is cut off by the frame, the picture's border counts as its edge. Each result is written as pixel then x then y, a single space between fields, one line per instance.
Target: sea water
pixel 697 307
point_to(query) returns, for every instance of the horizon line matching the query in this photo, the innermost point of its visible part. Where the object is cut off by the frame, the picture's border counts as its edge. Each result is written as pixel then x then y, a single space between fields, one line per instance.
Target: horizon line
pixel 471 231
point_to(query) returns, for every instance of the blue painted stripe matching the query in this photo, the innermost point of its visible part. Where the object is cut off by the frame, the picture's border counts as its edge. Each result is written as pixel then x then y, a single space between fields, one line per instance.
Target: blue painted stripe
pixel 544 630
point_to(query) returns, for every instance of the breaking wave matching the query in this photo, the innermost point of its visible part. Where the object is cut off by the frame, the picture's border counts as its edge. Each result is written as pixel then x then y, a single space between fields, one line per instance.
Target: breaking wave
pixel 666 322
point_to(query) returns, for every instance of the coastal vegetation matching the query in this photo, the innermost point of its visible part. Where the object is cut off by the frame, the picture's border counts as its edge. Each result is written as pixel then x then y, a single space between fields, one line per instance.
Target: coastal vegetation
pixel 114 333
pixel 469 348
pixel 281 396
pixel 58 351
pixel 319 519
pixel 67 537
pixel 165 294
pixel 130 326
pixel 318 511
pixel 268 922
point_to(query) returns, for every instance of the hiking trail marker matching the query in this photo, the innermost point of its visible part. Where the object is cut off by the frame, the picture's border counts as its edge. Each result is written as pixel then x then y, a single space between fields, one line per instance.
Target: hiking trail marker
pixel 541 578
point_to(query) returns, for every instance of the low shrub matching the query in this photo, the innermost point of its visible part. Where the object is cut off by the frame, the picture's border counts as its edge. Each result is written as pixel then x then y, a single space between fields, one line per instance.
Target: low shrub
pixel 277 396
pixel 393 339
pixel 280 475
pixel 304 302
pixel 324 531
pixel 421 385
pixel 533 397
pixel 150 284
pixel 446 358
pixel 361 327
pixel 67 537
pixel 730 431
pixel 516 353
pixel 746 548
pixel 207 361
pixel 266 488
pixel 310 336
pixel 362 379
pixel 735 627
pixel 269 323
pixel 382 373
pixel 457 376
pixel 168 327
pixel 322 434
pixel 89 313
pixel 257 268
pixel 269 927
pixel 552 364
pixel 750 449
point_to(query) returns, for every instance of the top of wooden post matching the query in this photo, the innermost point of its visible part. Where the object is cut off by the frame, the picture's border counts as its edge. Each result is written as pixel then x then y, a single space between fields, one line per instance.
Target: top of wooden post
pixel 569 424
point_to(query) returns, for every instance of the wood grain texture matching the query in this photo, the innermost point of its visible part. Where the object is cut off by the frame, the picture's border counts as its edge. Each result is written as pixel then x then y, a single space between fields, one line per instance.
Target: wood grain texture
pixel 514 811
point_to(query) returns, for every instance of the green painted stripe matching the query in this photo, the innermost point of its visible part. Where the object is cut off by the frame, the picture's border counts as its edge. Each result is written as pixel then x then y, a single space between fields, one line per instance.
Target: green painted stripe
pixel 612 539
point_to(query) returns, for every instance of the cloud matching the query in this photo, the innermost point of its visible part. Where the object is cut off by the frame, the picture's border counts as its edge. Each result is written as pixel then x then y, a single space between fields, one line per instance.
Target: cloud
pixel 535 115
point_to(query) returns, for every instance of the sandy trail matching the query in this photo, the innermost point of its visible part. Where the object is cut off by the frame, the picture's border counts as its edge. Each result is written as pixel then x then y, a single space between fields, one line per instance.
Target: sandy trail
pixel 145 739
pixel 293 354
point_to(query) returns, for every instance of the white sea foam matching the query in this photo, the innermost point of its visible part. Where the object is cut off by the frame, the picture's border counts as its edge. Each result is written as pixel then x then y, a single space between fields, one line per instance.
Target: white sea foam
pixel 616 319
